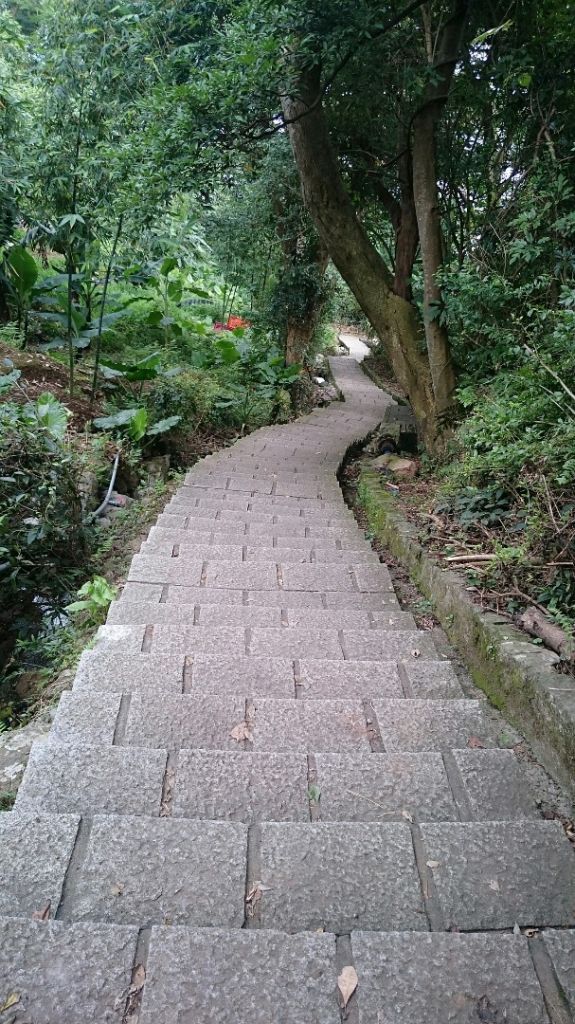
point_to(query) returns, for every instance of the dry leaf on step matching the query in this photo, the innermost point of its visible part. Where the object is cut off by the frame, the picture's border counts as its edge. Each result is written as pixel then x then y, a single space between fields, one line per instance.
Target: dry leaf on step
pixel 138 979
pixel 10 1000
pixel 415 653
pixel 241 731
pixel 43 914
pixel 347 984
pixel 474 741
pixel 494 884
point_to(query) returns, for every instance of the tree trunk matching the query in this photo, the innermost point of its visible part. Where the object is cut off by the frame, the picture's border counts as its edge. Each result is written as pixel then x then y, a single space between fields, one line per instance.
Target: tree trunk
pixel 426 199
pixel 393 318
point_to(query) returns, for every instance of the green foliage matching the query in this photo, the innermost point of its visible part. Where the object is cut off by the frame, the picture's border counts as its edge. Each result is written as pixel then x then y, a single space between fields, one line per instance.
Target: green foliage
pixel 95 597
pixel 42 538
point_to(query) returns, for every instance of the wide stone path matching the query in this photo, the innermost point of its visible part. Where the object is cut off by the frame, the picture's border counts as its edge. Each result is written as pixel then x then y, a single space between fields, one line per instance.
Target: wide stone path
pixel 265 774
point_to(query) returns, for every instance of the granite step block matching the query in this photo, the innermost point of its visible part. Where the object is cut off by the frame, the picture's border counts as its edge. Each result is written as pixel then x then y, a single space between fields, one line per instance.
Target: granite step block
pixel 63 779
pixel 326 876
pixel 321 679
pixel 384 787
pixel 428 679
pixel 35 851
pixel 386 644
pixel 246 677
pixel 495 784
pixel 90 718
pixel 185 721
pixel 433 978
pixel 295 643
pixel 146 871
pixel 65 973
pixel 171 613
pixel 247 787
pixel 309 726
pixel 419 725
pixel 496 875
pixel 123 674
pixel 239 977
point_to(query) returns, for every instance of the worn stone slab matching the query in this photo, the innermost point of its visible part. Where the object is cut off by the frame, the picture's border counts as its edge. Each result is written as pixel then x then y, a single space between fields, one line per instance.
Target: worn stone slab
pixel 88 780
pixel 141 592
pixel 34 854
pixel 147 871
pixel 295 643
pixel 284 599
pixel 367 602
pixel 337 878
pixel 502 874
pixel 65 974
pixel 317 577
pixel 495 785
pixel 433 978
pixel 149 612
pixel 124 674
pixel 372 580
pixel 561 948
pixel 248 615
pixel 354 679
pixel 241 576
pixel 324 618
pixel 295 555
pixel 242 786
pixel 202 595
pixel 120 639
pixel 243 977
pixel 308 726
pixel 147 569
pixel 91 721
pixel 194 552
pixel 387 644
pixel 414 725
pixel 261 677
pixel 186 721
pixel 429 679
pixel 384 787
pixel 169 640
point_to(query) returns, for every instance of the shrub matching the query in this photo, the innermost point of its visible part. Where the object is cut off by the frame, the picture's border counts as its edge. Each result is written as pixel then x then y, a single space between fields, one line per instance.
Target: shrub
pixel 42 539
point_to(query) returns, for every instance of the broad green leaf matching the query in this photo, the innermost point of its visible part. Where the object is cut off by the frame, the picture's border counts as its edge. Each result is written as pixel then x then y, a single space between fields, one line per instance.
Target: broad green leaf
pixel 164 425
pixel 23 268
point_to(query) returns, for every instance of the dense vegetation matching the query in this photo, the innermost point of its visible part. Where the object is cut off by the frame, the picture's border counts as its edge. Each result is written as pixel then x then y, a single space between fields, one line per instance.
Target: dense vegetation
pixel 190 192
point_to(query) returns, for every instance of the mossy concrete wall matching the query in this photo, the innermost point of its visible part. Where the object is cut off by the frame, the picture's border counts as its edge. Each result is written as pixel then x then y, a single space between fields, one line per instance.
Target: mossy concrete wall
pixel 518 677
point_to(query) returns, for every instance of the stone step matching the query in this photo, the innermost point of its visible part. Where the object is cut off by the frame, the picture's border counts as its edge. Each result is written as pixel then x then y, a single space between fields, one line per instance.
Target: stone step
pixel 275 724
pixel 191 569
pixel 217 614
pixel 145 871
pixel 271 534
pixel 179 595
pixel 309 679
pixel 374 644
pixel 254 551
pixel 250 787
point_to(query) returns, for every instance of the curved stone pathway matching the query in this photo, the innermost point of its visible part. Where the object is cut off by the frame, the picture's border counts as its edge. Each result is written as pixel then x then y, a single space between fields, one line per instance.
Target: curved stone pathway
pixel 264 774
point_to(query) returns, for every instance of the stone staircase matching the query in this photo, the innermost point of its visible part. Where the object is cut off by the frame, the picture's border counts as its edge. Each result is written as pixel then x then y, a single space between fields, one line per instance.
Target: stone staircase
pixel 264 774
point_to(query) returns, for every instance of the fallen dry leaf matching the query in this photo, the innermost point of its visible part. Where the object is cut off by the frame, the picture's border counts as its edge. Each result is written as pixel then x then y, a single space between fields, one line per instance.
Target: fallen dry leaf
pixel 254 896
pixel 241 731
pixel 43 914
pixel 415 653
pixel 10 1000
pixel 494 884
pixel 118 889
pixel 474 741
pixel 432 863
pixel 405 814
pixel 347 984
pixel 138 979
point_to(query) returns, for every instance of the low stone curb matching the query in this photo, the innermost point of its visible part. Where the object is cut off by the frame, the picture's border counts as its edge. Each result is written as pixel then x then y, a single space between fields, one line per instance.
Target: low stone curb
pixel 516 676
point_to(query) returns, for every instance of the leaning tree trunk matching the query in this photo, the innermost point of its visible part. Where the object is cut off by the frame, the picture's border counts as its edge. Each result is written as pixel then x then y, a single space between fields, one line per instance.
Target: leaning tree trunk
pixel 393 318
pixel 426 199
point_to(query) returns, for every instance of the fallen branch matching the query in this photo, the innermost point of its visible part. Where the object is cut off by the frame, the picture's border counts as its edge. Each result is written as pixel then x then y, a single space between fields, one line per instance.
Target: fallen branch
pixel 469 558
pixel 537 624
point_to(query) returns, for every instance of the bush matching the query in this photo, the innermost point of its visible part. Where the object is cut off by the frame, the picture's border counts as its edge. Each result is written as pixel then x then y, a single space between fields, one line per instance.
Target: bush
pixel 191 395
pixel 43 542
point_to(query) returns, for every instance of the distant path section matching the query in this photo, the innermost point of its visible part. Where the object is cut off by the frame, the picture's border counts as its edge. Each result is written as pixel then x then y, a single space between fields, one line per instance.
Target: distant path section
pixel 357 349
